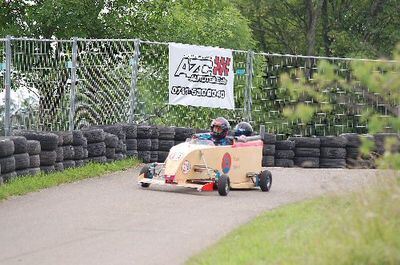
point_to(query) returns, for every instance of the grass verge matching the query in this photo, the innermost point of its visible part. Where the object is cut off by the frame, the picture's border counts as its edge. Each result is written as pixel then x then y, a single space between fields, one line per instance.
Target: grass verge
pixel 24 185
pixel 361 228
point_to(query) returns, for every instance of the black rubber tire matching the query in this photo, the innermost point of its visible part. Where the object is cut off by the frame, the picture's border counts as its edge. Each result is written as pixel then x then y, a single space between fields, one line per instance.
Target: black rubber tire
pixel 130 130
pixel 153 156
pixel 22 172
pixel 333 153
pixel 79 152
pixel 7 164
pixel 60 154
pixel 115 129
pixel 33 147
pixel 111 140
pixel 284 163
pixel 145 171
pixel 79 163
pixel 110 153
pixel 34 170
pixel 285 145
pixel 307 152
pixel 307 162
pixel 7 177
pixel 67 137
pixel 6 147
pixel 352 152
pixel 20 143
pixel 166 133
pixel 353 139
pixel 34 161
pixel 47 158
pixel 265 180
pixel 333 141
pixel 284 154
pixel 269 138
pixel 332 163
pixel 223 185
pixel 143 144
pixel 269 150
pixel 308 142
pixel 119 156
pixel 131 144
pixel 48 141
pixel 96 149
pixel 143 132
pixel 59 166
pixel 153 132
pixel 121 147
pixel 85 153
pixel 68 164
pixel 144 156
pixel 68 151
pixel 132 153
pixel 98 159
pixel 182 133
pixel 47 169
pixel 78 138
pixel 22 161
pixel 154 144
pixel 268 161
pixel 162 156
pixel 165 145
pixel 94 135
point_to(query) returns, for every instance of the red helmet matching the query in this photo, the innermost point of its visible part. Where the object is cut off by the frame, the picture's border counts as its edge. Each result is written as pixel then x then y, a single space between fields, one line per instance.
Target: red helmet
pixel 219 128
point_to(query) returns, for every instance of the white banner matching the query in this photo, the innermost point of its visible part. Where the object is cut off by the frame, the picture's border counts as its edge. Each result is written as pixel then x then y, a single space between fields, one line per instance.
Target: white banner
pixel 200 76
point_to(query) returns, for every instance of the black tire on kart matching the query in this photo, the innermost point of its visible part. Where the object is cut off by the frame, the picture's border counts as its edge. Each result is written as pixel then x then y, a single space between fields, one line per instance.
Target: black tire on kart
pixel 223 185
pixel 265 180
pixel 145 170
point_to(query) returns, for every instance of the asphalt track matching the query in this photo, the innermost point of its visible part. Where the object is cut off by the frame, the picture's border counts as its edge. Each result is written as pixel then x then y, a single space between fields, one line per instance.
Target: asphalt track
pixel 111 220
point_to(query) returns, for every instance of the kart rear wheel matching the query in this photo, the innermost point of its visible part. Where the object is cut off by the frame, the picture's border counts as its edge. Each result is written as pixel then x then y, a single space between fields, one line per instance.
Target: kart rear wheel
pixel 223 185
pixel 145 171
pixel 265 180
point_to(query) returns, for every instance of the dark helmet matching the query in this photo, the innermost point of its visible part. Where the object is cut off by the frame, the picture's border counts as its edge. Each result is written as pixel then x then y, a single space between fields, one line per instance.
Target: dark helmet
pixel 219 128
pixel 243 128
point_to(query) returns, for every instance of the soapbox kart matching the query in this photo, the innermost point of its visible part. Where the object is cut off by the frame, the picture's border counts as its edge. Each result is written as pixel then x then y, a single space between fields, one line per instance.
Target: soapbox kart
pixel 201 165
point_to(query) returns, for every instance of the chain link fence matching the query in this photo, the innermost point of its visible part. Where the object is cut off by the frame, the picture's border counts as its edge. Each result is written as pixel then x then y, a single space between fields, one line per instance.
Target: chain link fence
pixel 66 84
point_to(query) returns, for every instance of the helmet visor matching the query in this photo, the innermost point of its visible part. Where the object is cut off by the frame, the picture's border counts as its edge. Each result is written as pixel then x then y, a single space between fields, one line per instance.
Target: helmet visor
pixel 217 129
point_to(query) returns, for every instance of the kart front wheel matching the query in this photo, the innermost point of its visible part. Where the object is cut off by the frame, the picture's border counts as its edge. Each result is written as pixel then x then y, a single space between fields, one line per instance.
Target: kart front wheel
pixel 265 179
pixel 145 171
pixel 223 185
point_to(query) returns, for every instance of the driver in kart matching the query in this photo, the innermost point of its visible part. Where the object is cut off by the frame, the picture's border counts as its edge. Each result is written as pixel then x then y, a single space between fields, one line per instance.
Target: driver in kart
pixel 242 131
pixel 219 132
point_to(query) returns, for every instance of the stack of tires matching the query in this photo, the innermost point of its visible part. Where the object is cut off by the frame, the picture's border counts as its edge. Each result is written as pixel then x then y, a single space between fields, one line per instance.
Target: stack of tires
pixel 354 158
pixel 130 141
pixel 59 166
pixel 21 155
pixel 284 153
pixel 307 151
pixel 117 130
pixel 333 152
pixel 154 134
pixel 268 159
pixel 96 146
pixel 48 143
pixel 380 140
pixel 144 143
pixel 111 142
pixel 181 134
pixel 7 160
pixel 33 148
pixel 166 136
pixel 68 149
pixel 80 144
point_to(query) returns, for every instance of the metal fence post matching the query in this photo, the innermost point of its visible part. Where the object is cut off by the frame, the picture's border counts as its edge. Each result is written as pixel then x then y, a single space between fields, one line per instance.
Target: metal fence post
pixel 134 75
pixel 7 87
pixel 249 84
pixel 73 83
